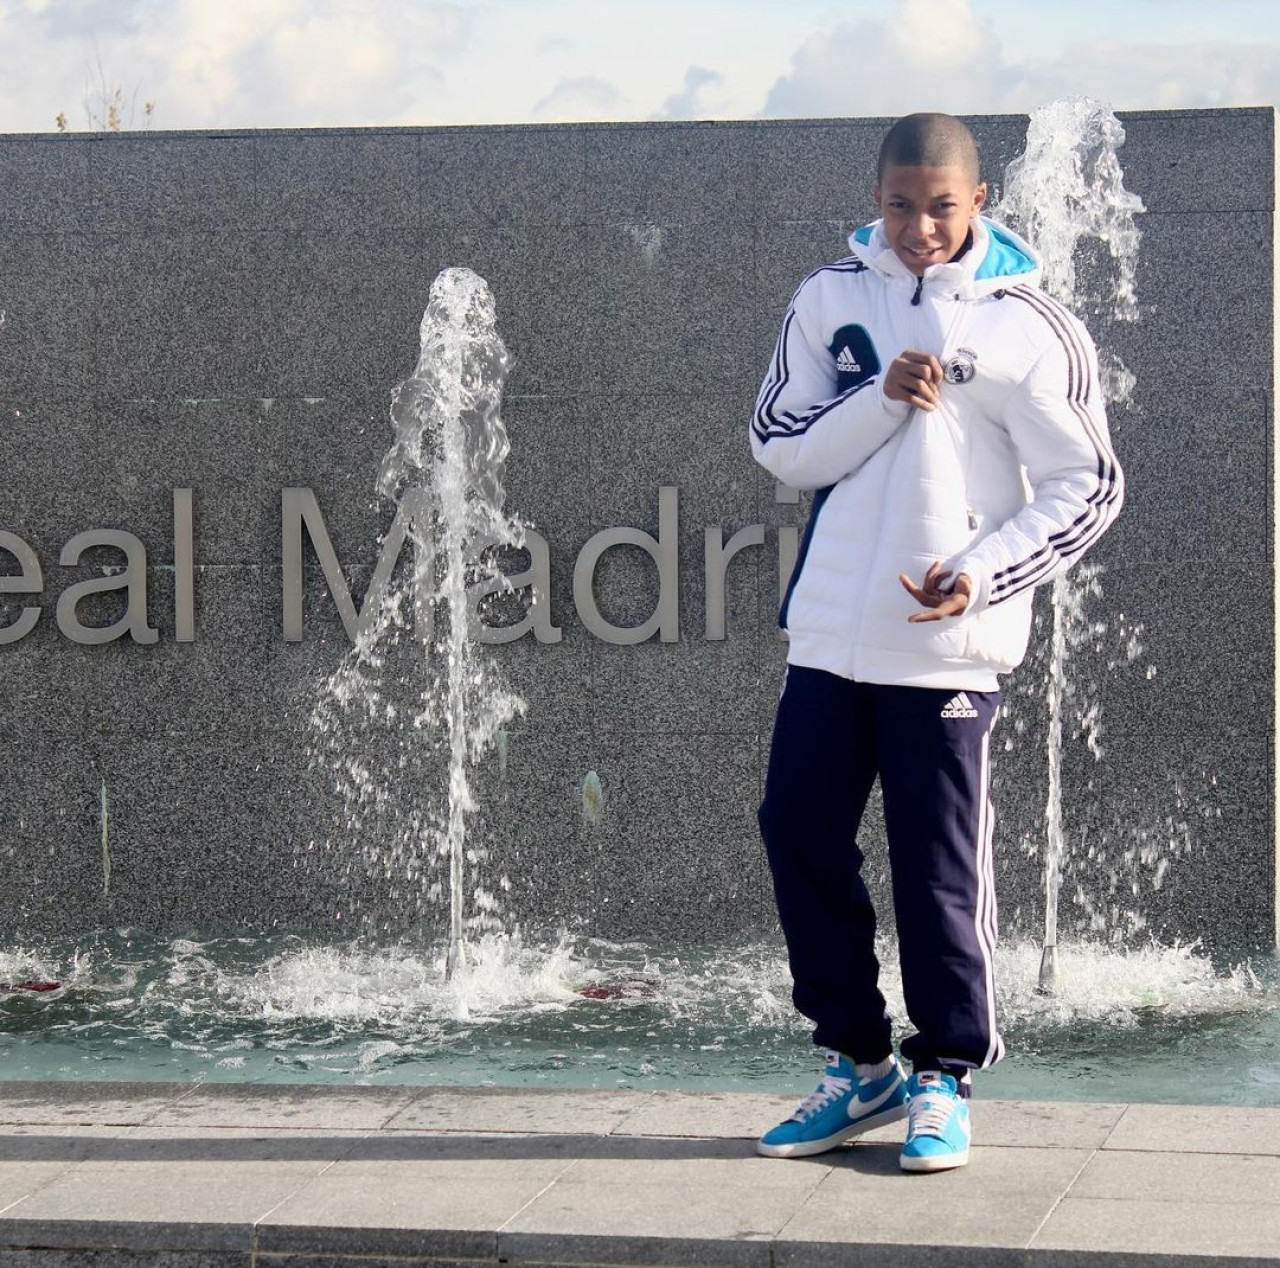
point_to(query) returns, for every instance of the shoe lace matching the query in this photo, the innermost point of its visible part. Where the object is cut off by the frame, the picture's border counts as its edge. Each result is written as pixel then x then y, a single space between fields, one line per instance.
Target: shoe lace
pixel 928 1114
pixel 832 1087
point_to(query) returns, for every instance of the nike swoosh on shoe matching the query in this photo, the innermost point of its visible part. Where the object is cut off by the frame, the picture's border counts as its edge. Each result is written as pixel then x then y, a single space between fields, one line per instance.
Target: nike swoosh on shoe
pixel 858 1107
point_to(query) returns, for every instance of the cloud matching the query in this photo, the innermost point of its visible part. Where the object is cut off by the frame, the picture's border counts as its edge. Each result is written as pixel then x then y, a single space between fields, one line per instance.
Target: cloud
pixel 885 67
pixel 319 63
pixel 1166 77
pixel 697 99
pixel 237 63
pixel 584 99
pixel 314 63
pixel 80 19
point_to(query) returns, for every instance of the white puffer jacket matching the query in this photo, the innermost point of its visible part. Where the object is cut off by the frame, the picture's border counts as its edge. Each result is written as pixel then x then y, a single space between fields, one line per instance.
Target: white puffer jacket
pixel 1010 480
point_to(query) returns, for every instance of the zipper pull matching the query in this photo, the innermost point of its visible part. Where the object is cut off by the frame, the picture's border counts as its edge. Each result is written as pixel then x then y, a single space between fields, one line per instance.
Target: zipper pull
pixel 915 299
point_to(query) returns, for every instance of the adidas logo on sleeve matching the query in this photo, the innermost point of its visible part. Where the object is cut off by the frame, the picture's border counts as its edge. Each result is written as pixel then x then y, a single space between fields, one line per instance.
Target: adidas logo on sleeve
pixel 959 706
pixel 846 362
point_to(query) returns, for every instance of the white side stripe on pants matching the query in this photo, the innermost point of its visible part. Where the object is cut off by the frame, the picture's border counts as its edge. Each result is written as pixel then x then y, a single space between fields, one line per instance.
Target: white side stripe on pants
pixel 985 914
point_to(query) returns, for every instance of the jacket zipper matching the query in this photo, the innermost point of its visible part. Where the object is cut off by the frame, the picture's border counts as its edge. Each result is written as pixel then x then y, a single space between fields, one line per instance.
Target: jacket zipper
pixel 860 624
pixel 875 555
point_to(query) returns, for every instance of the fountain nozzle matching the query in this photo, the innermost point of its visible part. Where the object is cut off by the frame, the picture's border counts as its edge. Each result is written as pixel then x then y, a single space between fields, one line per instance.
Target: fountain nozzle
pixel 1048 984
pixel 455 958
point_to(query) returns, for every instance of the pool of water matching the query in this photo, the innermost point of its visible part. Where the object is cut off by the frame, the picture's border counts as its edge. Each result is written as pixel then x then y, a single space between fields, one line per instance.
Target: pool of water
pixel 1153 1024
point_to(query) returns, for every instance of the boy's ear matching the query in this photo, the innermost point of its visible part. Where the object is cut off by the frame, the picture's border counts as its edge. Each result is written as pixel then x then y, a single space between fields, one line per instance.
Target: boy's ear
pixel 979 198
pixel 875 193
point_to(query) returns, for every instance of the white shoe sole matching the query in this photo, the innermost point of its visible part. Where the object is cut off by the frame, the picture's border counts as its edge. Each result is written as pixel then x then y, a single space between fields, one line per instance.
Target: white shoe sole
pixel 934 1162
pixel 807 1148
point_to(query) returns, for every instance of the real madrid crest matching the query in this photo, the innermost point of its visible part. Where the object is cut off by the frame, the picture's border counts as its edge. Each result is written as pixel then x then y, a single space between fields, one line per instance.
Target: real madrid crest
pixel 960 368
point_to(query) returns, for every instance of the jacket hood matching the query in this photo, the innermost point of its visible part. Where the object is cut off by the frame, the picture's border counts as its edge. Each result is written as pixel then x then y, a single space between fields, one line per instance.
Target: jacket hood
pixel 999 258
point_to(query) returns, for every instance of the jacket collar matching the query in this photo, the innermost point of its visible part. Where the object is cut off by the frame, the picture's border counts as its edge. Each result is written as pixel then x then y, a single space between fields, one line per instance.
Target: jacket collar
pixel 997 259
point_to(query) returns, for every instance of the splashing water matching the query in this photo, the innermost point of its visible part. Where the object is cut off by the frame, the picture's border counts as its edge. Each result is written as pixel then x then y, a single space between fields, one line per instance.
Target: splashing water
pixel 1065 190
pixel 444 473
pixel 1127 1024
pixel 1071 628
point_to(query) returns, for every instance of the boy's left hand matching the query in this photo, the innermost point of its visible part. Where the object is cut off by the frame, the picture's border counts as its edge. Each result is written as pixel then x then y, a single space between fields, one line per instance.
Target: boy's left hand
pixel 942 603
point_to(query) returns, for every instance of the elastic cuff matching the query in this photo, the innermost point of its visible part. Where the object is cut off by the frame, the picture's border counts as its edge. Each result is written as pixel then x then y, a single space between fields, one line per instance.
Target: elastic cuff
pixel 981 593
pixel 895 409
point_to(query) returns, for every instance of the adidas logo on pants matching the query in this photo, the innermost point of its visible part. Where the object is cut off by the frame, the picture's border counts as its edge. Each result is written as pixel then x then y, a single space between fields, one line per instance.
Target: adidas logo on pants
pixel 959 706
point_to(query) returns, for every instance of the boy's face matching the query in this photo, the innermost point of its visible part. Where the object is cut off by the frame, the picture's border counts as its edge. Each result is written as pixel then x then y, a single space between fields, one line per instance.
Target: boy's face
pixel 927 212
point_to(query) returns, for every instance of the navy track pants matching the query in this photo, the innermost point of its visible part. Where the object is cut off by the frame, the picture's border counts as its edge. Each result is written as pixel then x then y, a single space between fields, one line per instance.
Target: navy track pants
pixel 930 749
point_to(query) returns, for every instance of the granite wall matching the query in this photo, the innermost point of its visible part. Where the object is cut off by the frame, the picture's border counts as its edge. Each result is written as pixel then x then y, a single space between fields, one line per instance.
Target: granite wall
pixel 228 312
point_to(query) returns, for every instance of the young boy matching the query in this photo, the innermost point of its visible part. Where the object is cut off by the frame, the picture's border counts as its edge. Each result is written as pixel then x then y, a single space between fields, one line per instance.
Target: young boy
pixel 950 417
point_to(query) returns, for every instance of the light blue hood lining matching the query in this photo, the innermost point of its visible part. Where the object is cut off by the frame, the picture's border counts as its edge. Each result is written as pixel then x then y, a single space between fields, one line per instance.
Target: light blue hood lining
pixel 1006 255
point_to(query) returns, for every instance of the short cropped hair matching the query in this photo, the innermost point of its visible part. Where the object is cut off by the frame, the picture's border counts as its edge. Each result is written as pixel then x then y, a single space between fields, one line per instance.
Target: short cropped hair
pixel 929 140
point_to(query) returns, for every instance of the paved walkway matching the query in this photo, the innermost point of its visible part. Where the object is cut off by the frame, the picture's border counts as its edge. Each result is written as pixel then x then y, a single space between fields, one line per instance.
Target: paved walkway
pixel 233 1175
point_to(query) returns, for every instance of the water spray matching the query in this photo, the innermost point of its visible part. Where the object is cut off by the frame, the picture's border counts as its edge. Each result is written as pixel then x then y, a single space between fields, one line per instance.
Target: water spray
pixel 448 454
pixel 1067 186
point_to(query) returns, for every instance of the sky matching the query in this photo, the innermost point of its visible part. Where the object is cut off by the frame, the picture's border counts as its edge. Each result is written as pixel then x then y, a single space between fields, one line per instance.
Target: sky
pixel 209 64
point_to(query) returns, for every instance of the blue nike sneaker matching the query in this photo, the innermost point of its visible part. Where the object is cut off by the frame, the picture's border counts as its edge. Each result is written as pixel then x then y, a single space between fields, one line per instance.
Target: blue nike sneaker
pixel 844 1105
pixel 937 1124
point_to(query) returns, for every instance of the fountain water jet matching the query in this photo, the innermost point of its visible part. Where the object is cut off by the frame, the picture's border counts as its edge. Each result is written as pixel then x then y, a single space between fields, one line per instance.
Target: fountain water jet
pixel 1067 186
pixel 444 468
pixel 449 451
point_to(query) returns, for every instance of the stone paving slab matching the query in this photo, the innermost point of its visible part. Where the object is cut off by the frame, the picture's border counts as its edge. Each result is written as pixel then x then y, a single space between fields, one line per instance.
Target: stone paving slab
pixel 168 1191
pixel 268 1105
pixel 19 1180
pixel 34 1156
pixel 1165 1231
pixel 1045 1125
pixel 742 1115
pixel 1180 1177
pixel 96 1103
pixel 436 1182
pixel 1212 1129
pixel 229 1145
pixel 63 1143
pixel 1002 1203
pixel 177 1176
pixel 519 1110
pixel 737 1198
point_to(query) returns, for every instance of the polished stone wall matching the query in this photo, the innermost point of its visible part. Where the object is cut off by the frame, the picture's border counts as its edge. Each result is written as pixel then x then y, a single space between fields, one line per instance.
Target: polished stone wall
pixel 228 312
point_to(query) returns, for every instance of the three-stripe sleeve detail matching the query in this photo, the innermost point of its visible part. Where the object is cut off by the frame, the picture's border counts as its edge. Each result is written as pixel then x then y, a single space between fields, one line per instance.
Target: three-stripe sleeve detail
pixel 769 423
pixel 1093 520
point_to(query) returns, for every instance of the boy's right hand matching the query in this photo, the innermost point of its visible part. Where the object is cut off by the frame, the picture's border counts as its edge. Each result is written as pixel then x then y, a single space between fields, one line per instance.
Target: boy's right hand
pixel 915 377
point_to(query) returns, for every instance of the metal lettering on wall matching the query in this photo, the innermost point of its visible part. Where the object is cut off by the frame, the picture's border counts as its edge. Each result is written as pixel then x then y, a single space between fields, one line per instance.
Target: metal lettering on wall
pixel 300 516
